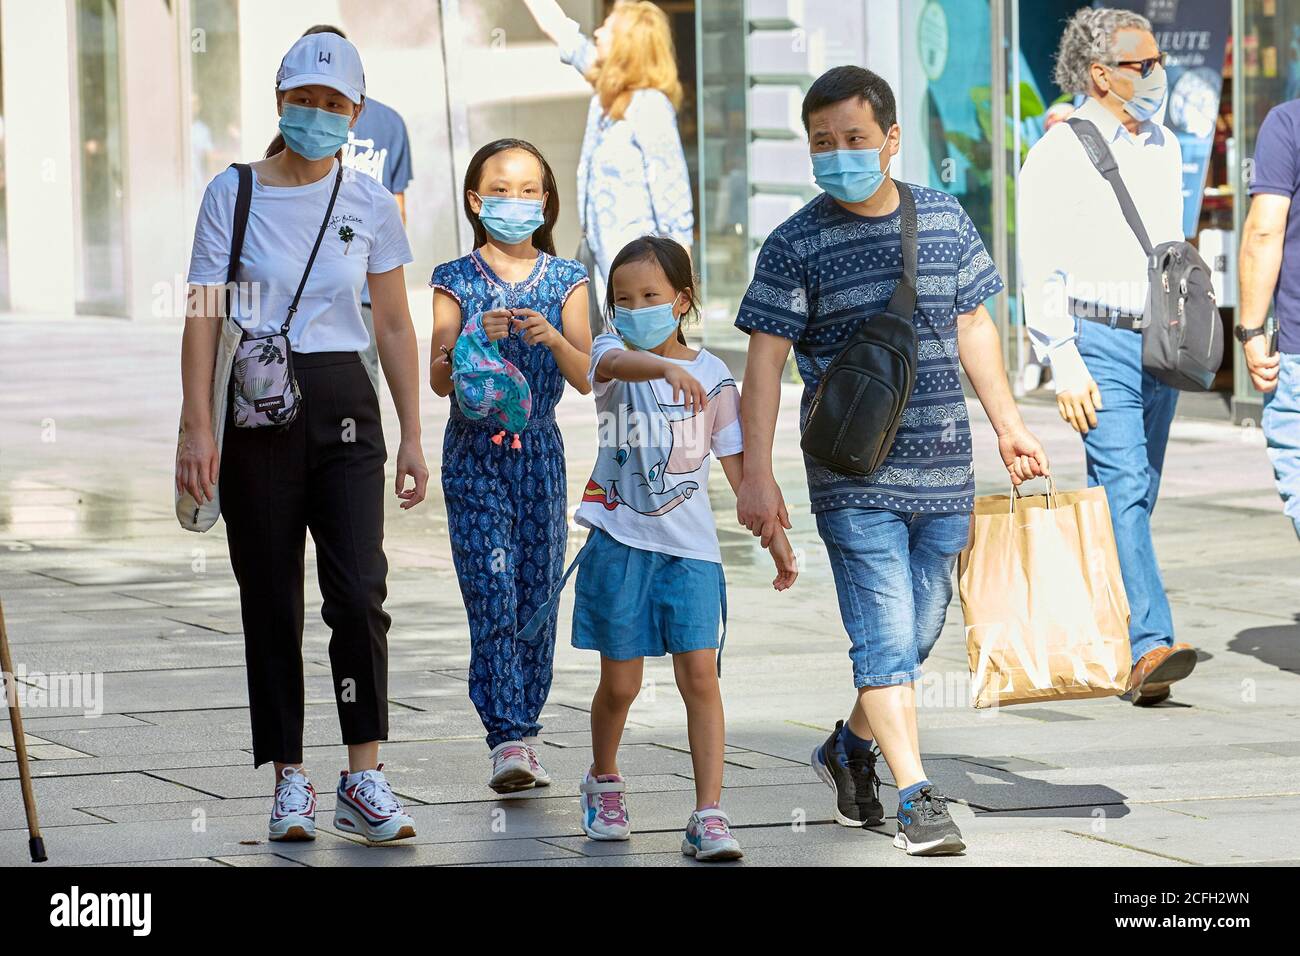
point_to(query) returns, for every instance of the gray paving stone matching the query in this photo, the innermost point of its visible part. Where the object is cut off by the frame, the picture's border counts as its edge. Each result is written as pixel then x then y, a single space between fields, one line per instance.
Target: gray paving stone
pixel 96 576
pixel 58 799
pixel 257 859
pixel 437 854
pixel 131 764
pixel 142 842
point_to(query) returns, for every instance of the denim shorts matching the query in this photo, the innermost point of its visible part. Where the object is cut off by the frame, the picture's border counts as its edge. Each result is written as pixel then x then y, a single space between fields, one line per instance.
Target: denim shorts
pixel 893 576
pixel 631 603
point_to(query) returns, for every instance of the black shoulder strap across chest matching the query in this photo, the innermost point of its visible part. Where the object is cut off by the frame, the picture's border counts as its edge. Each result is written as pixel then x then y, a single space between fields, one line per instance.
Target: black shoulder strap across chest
pixel 243 202
pixel 903 302
pixel 1104 160
pixel 302 283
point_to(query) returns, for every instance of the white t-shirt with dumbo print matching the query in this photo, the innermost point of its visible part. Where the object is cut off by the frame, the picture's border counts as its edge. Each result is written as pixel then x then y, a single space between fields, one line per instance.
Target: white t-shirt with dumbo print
pixel 364 235
pixel 649 487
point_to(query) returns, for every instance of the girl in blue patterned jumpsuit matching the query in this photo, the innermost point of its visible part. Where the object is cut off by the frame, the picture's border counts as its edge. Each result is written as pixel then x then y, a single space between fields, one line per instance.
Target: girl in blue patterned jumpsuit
pixel 506 505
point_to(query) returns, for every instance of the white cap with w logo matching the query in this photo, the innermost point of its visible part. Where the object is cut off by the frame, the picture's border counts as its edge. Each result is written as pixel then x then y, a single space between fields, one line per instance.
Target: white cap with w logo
pixel 323 59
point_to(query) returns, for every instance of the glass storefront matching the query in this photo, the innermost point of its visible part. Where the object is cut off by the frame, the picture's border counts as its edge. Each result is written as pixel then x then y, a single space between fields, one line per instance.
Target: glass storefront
pixel 722 214
pixel 4 223
pixel 214 91
pixel 946 103
pixel 101 288
pixel 972 78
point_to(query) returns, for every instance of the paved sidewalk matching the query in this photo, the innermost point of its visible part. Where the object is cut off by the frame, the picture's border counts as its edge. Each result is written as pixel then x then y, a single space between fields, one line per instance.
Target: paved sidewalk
pixel 96 576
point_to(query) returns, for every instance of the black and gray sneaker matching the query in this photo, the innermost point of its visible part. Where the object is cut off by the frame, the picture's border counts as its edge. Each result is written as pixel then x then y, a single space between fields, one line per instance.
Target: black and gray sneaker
pixel 856 785
pixel 926 828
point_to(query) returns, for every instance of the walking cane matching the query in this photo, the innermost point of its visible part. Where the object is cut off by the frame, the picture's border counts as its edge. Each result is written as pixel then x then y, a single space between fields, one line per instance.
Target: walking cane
pixel 35 843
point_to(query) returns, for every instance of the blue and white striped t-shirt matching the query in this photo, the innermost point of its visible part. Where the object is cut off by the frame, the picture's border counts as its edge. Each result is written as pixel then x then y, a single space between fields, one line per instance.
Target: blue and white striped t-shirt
pixel 819 274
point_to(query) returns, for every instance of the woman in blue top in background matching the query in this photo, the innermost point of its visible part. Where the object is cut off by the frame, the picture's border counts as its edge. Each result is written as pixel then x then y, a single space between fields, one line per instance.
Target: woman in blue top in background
pixel 506 495
pixel 632 177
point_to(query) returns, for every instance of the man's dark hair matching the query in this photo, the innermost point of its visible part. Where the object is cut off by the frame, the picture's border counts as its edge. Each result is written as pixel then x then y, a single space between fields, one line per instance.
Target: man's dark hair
pixel 845 82
pixel 325 28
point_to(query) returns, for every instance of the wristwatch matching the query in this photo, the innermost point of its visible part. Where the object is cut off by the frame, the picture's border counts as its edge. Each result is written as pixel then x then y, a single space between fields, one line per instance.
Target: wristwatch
pixel 1244 334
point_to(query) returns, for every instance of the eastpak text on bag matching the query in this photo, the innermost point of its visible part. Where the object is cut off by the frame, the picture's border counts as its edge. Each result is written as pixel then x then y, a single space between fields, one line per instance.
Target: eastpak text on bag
pixel 1182 333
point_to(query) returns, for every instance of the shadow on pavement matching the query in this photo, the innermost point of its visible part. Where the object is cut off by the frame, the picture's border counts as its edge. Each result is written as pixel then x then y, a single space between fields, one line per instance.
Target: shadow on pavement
pixel 991 787
pixel 1278 645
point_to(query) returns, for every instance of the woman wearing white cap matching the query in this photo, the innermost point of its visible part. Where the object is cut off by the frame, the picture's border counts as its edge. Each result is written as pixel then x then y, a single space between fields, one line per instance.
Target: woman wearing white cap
pixel 303 445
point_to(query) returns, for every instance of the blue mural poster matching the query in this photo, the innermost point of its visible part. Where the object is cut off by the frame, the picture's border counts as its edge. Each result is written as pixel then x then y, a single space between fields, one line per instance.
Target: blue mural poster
pixel 1194 33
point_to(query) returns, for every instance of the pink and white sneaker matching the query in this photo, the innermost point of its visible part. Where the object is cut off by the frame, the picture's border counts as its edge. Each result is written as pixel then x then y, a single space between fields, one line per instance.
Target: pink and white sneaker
pixel 540 777
pixel 708 836
pixel 366 805
pixel 293 814
pixel 604 808
pixel 512 767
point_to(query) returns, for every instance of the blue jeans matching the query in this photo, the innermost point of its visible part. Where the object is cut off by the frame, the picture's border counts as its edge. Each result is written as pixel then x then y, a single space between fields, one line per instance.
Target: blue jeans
pixel 893 575
pixel 1125 455
pixel 1281 423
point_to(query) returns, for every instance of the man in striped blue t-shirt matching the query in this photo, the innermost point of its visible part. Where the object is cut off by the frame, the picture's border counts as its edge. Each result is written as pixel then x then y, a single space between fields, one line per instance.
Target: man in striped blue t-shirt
pixel 894 536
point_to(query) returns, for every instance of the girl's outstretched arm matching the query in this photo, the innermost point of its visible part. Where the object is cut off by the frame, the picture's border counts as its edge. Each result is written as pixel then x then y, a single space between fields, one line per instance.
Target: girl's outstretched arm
pixel 628 366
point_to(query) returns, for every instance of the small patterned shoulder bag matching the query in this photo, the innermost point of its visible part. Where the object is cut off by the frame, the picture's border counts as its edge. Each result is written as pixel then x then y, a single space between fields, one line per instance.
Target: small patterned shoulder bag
pixel 263 388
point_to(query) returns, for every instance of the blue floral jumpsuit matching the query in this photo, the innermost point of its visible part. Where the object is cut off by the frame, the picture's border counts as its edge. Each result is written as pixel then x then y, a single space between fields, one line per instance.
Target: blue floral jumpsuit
pixel 506 508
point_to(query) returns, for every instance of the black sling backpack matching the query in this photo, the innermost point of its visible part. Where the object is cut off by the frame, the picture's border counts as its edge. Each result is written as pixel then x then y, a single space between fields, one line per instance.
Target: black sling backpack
pixel 858 405
pixel 1182 334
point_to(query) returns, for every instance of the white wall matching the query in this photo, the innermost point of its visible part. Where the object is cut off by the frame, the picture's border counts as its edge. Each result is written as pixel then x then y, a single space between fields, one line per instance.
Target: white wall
pixel 38 145
pixel 157 220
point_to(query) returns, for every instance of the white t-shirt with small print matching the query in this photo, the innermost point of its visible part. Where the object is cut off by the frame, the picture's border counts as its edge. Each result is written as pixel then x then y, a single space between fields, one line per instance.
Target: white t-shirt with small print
pixel 364 235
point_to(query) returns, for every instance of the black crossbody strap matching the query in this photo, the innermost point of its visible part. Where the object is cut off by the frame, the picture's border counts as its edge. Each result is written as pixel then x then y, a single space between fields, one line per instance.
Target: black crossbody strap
pixel 302 284
pixel 903 302
pixel 243 202
pixel 1102 158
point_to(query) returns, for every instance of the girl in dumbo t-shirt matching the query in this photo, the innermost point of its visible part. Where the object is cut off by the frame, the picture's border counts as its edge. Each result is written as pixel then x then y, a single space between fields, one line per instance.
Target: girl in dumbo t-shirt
pixel 650 577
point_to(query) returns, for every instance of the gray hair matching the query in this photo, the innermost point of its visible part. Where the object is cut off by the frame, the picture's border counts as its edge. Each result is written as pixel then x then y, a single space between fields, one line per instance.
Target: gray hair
pixel 1090 38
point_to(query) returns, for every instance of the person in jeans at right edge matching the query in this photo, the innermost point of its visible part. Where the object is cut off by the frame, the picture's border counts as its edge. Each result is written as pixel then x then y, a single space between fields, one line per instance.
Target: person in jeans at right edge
pixel 1270 273
pixel 893 537
pixel 1085 289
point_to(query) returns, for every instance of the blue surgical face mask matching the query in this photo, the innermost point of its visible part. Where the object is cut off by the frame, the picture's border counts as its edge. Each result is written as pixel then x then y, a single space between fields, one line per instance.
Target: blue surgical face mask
pixel 510 220
pixel 648 327
pixel 313 133
pixel 849 175
pixel 1148 94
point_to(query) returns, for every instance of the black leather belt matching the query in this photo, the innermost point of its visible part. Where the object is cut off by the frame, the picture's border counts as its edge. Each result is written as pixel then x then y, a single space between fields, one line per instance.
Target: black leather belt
pixel 1104 315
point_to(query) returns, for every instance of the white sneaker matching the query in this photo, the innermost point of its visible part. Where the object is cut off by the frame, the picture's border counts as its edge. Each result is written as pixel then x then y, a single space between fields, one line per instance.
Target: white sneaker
pixel 366 805
pixel 708 837
pixel 512 767
pixel 604 807
pixel 540 777
pixel 293 814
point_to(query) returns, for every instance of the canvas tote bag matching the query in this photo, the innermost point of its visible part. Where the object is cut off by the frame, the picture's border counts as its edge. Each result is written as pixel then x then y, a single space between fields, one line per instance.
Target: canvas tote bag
pixel 1046 612
pixel 202 515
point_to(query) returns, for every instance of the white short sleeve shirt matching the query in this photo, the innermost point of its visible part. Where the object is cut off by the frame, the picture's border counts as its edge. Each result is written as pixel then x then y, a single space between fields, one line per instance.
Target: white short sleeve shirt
pixel 649 487
pixel 364 235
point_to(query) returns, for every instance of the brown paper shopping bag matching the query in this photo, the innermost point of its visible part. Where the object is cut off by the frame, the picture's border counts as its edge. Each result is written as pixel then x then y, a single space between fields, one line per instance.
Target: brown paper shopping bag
pixel 1046 613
